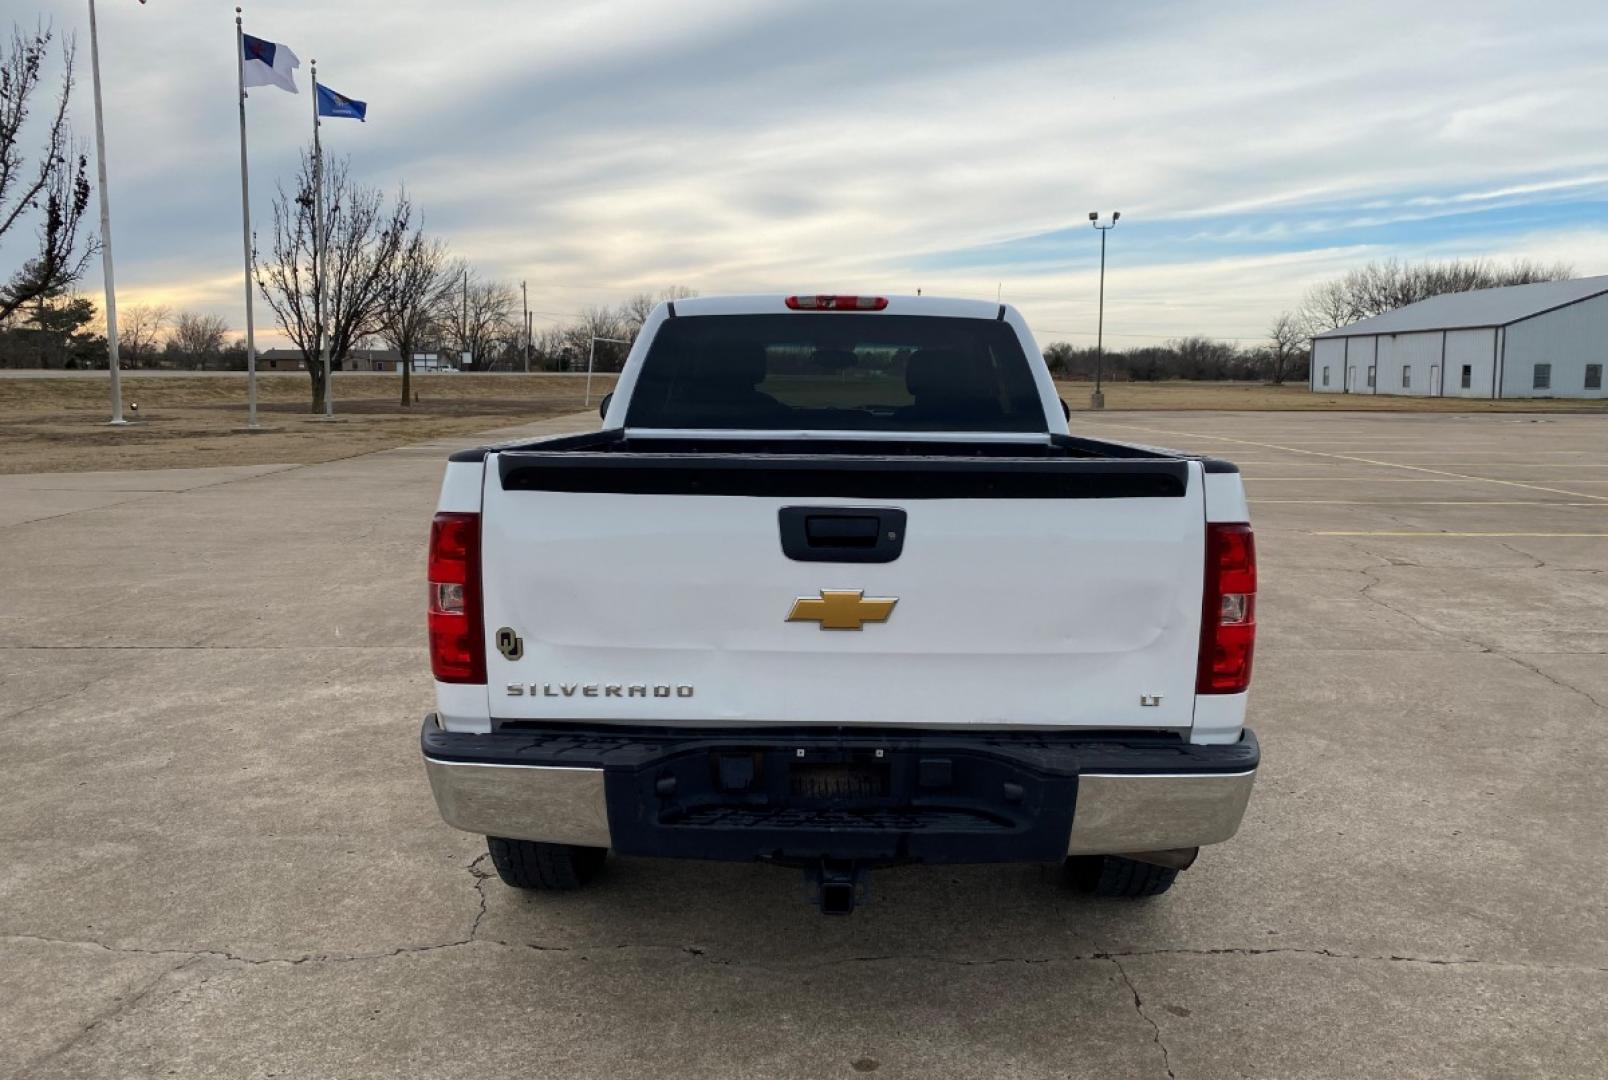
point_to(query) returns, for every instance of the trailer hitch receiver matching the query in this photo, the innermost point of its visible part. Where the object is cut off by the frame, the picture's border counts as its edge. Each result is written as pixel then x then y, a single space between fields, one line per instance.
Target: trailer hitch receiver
pixel 837 887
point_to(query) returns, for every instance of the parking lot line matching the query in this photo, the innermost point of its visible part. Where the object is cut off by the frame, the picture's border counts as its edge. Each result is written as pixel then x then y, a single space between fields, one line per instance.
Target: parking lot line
pixel 1430 532
pixel 1321 478
pixel 1507 464
pixel 1436 502
pixel 1366 461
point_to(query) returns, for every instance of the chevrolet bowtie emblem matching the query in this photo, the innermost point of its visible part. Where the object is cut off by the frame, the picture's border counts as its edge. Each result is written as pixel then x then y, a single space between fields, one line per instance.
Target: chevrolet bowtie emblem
pixel 842 609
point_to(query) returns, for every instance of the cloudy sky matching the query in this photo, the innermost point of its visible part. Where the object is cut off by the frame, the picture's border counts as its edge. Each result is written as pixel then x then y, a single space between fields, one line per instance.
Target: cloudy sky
pixel 599 149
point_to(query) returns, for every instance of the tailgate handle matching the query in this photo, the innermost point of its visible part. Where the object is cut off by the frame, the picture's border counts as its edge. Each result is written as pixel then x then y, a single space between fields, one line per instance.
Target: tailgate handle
pixel 866 534
pixel 842 530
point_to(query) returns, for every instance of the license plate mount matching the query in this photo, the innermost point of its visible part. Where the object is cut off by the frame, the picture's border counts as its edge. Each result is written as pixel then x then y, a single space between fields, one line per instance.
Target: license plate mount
pixel 838 780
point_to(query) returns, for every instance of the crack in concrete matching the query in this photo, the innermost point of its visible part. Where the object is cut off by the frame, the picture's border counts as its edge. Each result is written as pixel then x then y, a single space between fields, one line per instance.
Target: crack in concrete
pixel 1139 1006
pixel 1331 954
pixel 148 494
pixel 1540 563
pixel 236 958
pixel 75 691
pixel 1373 581
pixel 480 877
pixel 1553 679
pixel 703 954
pixel 119 1006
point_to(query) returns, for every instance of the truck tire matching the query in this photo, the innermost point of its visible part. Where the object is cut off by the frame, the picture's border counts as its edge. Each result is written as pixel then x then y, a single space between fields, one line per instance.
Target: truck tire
pixel 1114 876
pixel 526 864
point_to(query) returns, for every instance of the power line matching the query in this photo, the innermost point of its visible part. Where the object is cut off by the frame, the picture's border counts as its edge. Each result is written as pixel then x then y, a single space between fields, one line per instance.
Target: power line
pixel 1156 337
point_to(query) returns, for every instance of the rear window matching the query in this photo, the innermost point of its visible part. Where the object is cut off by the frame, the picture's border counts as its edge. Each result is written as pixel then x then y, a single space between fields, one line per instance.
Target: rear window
pixel 836 372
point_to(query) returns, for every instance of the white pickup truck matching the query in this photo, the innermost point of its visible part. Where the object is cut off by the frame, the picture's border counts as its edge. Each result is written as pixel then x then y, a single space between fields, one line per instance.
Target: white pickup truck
pixel 834 588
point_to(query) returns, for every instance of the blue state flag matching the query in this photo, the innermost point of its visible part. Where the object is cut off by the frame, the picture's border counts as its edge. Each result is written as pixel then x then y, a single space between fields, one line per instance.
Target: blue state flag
pixel 332 104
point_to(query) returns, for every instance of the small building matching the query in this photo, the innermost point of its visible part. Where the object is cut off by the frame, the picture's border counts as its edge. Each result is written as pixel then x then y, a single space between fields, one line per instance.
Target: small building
pixel 356 360
pixel 1549 339
pixel 280 360
pixel 373 360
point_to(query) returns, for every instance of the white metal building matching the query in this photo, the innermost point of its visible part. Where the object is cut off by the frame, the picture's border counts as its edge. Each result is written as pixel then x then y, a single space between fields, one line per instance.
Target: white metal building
pixel 1549 339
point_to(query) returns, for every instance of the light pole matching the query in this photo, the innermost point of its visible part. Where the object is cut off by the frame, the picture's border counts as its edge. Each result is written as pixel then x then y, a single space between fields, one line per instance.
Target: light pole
pixel 114 364
pixel 1097 399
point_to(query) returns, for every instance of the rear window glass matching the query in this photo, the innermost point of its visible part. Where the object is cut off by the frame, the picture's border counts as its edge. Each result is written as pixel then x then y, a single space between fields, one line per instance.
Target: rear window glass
pixel 836 372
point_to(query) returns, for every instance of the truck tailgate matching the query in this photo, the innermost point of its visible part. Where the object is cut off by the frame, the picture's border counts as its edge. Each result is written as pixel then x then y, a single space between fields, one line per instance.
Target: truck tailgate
pixel 1060 602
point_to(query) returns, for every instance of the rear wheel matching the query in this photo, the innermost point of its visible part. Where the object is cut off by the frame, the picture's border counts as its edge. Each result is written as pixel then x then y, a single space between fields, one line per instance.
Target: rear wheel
pixel 1114 876
pixel 527 864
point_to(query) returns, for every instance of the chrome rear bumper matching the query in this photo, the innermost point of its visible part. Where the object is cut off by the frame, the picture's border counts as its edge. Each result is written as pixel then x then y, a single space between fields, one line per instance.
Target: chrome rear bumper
pixel 1116 811
pixel 523 802
pixel 1119 813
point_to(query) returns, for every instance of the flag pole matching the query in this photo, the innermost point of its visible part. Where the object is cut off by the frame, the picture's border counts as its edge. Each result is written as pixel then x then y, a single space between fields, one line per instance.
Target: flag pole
pixel 245 220
pixel 113 364
pixel 319 253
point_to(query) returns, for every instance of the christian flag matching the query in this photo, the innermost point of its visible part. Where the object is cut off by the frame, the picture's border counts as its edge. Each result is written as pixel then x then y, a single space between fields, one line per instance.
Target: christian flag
pixel 267 64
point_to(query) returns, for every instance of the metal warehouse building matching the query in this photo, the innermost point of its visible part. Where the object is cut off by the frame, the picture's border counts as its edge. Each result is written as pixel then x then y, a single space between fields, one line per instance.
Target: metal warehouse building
pixel 1549 339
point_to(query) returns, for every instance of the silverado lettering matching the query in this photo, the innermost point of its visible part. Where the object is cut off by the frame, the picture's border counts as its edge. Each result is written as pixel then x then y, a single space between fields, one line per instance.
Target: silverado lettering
pixel 596 689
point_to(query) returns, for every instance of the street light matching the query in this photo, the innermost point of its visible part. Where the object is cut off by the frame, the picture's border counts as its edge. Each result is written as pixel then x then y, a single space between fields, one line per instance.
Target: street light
pixel 114 363
pixel 1097 399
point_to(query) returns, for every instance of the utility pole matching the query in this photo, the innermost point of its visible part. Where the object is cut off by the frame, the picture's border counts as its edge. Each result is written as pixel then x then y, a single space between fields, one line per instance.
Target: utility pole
pixel 469 351
pixel 113 364
pixel 524 303
pixel 1097 399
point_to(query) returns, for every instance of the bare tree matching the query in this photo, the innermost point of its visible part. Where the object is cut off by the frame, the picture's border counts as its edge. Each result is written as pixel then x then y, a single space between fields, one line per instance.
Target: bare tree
pixel 634 312
pixel 551 347
pixel 362 241
pixel 411 298
pixel 477 313
pixel 1328 306
pixel 56 184
pixel 139 328
pixel 199 338
pixel 598 322
pixel 631 314
pixel 1288 339
pixel 1384 286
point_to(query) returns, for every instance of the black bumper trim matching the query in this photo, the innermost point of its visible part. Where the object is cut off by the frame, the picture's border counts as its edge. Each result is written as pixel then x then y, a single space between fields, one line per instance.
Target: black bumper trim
pixel 612 746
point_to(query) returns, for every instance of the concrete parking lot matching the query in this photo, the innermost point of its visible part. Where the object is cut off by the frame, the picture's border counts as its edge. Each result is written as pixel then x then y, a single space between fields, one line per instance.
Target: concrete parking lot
pixel 219 857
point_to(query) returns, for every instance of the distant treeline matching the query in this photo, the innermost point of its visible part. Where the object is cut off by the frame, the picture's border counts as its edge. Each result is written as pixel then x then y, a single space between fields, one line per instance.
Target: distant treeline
pixel 1182 358
pixel 1285 355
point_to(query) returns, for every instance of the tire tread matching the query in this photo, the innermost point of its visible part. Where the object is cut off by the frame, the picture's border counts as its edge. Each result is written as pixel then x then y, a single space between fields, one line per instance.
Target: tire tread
pixel 528 864
pixel 1114 877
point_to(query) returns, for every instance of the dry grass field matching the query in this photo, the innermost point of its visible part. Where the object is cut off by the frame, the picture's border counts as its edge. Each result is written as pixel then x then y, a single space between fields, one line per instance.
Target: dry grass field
pixel 58 424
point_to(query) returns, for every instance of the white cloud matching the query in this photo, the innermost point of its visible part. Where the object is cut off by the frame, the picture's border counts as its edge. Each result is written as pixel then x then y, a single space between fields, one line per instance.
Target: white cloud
pixel 599 149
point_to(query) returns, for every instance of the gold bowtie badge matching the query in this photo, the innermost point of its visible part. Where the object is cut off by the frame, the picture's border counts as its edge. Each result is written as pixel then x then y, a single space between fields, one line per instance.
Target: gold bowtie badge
pixel 842 609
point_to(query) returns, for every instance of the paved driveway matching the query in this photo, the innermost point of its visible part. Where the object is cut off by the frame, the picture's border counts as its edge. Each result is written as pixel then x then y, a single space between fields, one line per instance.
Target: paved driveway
pixel 218 855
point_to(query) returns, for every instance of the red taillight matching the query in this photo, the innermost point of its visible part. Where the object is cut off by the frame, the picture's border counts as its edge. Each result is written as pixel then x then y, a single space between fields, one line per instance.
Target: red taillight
pixel 457 641
pixel 1228 614
pixel 837 303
